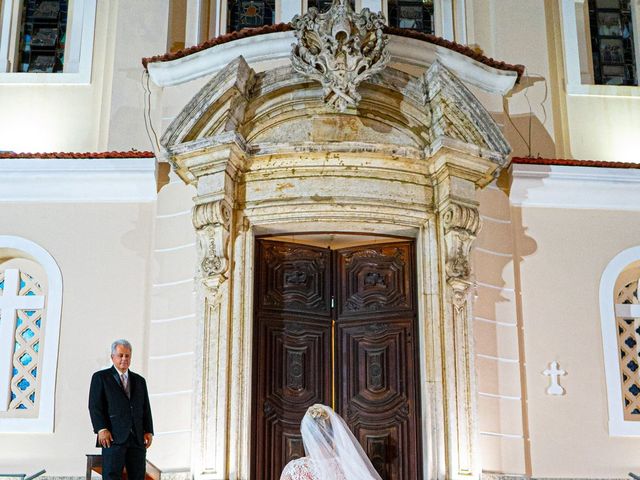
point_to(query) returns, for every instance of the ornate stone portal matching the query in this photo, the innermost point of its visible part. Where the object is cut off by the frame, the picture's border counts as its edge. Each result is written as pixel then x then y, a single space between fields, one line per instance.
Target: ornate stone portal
pixel 268 156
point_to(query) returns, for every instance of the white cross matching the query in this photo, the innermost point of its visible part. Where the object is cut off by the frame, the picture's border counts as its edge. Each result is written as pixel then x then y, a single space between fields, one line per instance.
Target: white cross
pixel 554 373
pixel 10 301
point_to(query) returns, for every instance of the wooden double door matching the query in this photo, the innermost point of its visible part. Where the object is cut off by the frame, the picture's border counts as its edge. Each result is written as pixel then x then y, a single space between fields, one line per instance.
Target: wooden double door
pixel 336 327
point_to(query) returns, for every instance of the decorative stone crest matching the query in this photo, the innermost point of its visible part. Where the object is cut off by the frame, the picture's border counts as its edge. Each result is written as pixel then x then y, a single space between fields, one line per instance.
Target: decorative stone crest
pixel 340 49
pixel 212 221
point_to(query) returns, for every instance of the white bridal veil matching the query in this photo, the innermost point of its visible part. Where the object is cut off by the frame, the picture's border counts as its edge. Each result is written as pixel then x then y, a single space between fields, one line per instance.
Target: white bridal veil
pixel 335 452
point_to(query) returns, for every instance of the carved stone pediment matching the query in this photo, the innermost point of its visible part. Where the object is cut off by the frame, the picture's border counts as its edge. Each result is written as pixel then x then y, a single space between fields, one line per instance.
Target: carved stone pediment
pixel 340 49
pixel 457 114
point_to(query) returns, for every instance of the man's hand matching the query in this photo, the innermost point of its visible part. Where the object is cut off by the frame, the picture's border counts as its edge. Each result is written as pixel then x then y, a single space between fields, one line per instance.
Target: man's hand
pixel 104 438
pixel 148 438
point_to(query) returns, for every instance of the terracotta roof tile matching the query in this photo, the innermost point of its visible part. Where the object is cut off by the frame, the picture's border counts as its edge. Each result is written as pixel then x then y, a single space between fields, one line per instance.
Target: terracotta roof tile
pixel 130 154
pixel 285 27
pixel 573 163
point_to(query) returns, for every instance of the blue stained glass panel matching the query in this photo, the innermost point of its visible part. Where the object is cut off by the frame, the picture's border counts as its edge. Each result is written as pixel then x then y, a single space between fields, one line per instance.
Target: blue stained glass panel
pixel 15 371
pixel 2 285
pixel 38 322
pixel 28 334
pixel 21 407
pixel 23 384
pixel 634 389
pixel 26 359
pixel 13 396
pixel 34 372
pixel 30 293
pixel 17 347
pixel 633 366
pixel 22 284
pixel 29 312
pixel 32 397
pixel 18 322
pixel 630 342
pixel 36 347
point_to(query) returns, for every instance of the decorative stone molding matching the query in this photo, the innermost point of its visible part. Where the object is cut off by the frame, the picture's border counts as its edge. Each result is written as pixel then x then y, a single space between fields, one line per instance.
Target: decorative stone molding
pixel 340 49
pixel 217 108
pixel 212 222
pixel 457 114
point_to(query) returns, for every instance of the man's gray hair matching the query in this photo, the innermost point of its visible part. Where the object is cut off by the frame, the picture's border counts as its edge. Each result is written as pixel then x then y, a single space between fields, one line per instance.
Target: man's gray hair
pixel 123 342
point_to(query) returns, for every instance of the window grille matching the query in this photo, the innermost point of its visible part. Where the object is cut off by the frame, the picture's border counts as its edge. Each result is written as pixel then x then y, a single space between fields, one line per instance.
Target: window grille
pixel 23 326
pixel 628 326
pixel 612 44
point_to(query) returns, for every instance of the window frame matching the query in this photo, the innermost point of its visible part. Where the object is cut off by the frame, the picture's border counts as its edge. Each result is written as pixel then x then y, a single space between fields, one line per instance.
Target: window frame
pixel 571 47
pixel 618 426
pixel 78 48
pixel 43 422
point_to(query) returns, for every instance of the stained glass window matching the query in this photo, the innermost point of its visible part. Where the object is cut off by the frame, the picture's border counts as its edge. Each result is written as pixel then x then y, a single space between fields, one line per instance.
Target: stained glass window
pixel 628 350
pixel 43 30
pixel 324 5
pixel 614 61
pixel 250 13
pixel 412 14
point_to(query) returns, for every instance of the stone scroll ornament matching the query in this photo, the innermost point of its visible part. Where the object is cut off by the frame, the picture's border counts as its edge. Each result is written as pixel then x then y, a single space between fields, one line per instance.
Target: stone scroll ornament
pixel 340 49
pixel 461 225
pixel 212 221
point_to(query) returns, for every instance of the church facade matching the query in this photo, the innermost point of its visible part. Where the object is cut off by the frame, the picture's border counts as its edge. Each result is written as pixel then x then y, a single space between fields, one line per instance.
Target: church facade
pixel 332 207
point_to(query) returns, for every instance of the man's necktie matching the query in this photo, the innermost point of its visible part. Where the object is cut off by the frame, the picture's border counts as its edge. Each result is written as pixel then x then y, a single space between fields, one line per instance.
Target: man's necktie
pixel 125 384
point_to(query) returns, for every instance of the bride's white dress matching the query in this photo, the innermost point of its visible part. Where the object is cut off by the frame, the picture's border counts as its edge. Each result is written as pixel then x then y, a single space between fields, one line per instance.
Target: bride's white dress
pixel 304 469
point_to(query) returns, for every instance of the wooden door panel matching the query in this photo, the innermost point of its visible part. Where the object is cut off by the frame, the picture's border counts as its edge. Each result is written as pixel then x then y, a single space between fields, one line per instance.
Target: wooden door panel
pixel 291 377
pixel 376 356
pixel 378 397
pixel 375 279
pixel 292 349
pixel 294 278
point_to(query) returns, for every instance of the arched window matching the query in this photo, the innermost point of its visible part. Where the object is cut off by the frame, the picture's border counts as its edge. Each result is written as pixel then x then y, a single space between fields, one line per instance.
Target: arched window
pixel 620 317
pixel 30 304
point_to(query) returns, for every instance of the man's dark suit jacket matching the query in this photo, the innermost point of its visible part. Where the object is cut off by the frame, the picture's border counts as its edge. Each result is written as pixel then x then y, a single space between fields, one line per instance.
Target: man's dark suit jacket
pixel 110 408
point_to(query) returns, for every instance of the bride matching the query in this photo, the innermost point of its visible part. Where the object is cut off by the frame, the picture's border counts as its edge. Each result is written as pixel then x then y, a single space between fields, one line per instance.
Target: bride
pixel 332 451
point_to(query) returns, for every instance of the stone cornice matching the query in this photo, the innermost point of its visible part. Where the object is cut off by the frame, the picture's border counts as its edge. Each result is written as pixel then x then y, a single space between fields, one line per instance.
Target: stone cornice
pixel 276 47
pixel 560 186
pixel 78 180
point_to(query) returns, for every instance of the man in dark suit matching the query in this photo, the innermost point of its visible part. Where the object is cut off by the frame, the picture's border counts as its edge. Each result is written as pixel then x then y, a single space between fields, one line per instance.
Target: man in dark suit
pixel 121 416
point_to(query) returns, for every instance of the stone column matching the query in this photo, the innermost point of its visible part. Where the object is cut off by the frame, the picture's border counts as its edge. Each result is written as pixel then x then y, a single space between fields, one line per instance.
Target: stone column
pixel 213 223
pixel 458 224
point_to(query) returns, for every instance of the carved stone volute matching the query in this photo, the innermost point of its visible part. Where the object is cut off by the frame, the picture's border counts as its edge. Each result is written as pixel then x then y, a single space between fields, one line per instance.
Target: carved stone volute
pixel 461 224
pixel 340 49
pixel 212 222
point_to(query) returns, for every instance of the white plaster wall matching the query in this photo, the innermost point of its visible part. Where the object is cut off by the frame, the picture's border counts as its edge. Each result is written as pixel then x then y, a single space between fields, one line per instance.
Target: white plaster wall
pixel 515 31
pixel 560 276
pixel 496 332
pixel 140 31
pixel 104 253
pixel 172 330
pixel 41 117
